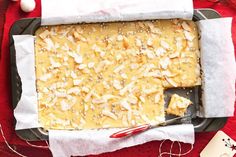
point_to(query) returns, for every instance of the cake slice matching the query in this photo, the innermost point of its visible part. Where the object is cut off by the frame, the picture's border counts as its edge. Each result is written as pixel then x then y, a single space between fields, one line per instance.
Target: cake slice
pixel 178 105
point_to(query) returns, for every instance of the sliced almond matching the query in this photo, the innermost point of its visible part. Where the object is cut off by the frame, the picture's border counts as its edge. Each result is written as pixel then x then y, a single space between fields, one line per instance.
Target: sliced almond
pixel 134 66
pixel 117 85
pixel 186 26
pixel 85 89
pixel 50 44
pixel 126 88
pixel 165 62
pixel 132 99
pixel 82 66
pixel 54 64
pixel 138 42
pixel 118 57
pixel 73 75
pixel 157 98
pixel 44 34
pixel 120 37
pixel 170 81
pixel 124 120
pixel 108 113
pixel 150 54
pixel 45 77
pixel 124 76
pixel 88 96
pixel 149 42
pixel 164 44
pixel 174 55
pixel 74 90
pixel 142 98
pixel 155 73
pixel 125 104
pixel 167 73
pixel 150 90
pixel 160 51
pixel 188 36
pixel 64 105
pixel 106 85
pixel 91 64
pixel 119 68
pixel 98 101
pixel 78 59
pixel 145 118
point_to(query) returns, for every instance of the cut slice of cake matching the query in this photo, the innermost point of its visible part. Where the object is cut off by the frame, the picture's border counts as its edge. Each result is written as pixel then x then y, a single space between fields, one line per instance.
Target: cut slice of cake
pixel 178 105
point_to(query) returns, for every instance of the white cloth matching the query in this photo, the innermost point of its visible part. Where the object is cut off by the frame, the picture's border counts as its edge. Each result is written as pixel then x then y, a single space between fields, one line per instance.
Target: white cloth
pixel 85 142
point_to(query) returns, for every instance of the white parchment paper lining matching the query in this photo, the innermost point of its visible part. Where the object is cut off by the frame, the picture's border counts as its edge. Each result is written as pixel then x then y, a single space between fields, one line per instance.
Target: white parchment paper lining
pixel 26 111
pixel 74 11
pixel 218 67
pixel 80 142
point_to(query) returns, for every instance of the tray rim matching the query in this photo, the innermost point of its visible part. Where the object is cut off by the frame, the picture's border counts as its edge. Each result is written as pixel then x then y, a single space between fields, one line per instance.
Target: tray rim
pixel 39 133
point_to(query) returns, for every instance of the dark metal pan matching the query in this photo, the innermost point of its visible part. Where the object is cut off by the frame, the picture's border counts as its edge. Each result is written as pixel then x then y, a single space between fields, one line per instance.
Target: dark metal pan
pixel 30 25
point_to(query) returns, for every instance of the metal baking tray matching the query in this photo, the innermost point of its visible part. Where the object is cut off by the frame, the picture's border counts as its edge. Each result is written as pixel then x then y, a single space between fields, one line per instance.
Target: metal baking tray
pixel 30 25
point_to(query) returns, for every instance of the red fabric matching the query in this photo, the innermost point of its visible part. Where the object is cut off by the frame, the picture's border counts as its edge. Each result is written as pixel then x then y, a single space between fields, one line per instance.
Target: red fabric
pixel 149 149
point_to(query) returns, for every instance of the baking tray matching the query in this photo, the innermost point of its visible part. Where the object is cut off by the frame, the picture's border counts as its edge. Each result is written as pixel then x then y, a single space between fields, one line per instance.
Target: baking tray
pixel 30 25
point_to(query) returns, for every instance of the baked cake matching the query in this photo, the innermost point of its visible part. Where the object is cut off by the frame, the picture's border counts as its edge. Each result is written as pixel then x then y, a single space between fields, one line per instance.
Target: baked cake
pixel 112 74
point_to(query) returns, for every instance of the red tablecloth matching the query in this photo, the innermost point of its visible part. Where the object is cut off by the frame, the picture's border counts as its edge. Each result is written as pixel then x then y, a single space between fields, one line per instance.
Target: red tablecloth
pixel 149 149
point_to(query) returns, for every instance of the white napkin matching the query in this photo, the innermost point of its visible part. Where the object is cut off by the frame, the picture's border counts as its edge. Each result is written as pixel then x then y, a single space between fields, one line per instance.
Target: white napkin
pixel 86 142
pixel 26 111
pixel 75 11
pixel 219 68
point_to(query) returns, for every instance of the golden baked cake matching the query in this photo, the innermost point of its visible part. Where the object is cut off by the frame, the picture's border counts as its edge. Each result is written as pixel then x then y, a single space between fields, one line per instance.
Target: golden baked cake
pixel 178 105
pixel 112 74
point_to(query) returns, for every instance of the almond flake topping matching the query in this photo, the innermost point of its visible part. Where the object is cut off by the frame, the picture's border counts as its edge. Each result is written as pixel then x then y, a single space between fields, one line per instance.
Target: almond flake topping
pixel 78 59
pixel 124 76
pixel 73 75
pixel 157 98
pixel 138 42
pixel 118 68
pixel 188 36
pixel 186 26
pixel 164 44
pixel 160 51
pixel 174 55
pixel 77 82
pixel 108 113
pixel 74 90
pixel 44 34
pixel 170 81
pixel 82 66
pixel 50 44
pixel 64 105
pixel 149 42
pixel 45 77
pixel 164 63
pixel 117 84
pixel 120 37
pixel 142 98
pixel 125 104
pixel 91 64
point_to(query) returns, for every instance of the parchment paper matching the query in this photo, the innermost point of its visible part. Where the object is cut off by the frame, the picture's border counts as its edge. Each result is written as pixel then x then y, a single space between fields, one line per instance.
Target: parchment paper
pixel 75 11
pixel 26 111
pixel 218 67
